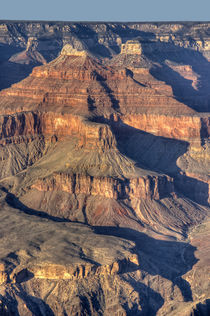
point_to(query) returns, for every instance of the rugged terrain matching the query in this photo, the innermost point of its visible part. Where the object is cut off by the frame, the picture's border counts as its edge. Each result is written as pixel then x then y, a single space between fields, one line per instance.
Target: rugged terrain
pixel 104 168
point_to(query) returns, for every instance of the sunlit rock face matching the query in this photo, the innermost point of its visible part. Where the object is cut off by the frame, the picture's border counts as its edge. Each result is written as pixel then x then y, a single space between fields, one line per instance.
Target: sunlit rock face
pixel 68 50
pixel 104 168
pixel 131 48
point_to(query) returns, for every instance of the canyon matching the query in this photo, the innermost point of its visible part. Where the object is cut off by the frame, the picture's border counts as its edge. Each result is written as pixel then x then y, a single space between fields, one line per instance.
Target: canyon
pixel 104 168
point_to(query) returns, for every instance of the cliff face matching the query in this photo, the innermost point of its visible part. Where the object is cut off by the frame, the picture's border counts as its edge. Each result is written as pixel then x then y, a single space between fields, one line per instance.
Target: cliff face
pixel 60 126
pixel 110 129
pixel 189 128
pixel 152 187
pixel 185 46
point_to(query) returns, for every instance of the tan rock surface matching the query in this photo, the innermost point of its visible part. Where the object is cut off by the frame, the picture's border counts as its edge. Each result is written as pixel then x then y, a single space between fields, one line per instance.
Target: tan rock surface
pixel 104 169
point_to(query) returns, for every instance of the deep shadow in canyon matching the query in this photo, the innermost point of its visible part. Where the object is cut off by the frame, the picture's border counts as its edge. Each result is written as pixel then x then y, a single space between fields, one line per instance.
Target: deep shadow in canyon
pixel 11 72
pixel 14 202
pixel 196 98
pixel 157 154
pixel 150 300
pixel 34 304
pixel 159 257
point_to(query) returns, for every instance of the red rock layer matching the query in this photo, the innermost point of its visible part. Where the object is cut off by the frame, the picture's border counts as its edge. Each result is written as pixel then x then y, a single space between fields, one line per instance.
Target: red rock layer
pixel 183 127
pixel 91 135
pixel 153 187
pixel 64 97
pixel 80 84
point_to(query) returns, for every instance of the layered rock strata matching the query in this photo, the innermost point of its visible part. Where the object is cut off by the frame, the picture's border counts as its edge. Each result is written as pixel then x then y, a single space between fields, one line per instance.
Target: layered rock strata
pixel 111 132
pixel 142 187
pixel 50 124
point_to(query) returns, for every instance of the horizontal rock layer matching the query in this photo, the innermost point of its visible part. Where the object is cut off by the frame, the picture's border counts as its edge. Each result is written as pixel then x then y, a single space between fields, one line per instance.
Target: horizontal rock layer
pixel 29 124
pixel 112 131
pixel 142 187
pixel 179 127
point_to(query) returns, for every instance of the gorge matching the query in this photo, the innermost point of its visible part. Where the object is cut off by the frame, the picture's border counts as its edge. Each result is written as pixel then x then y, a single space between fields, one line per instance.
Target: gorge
pixel 104 168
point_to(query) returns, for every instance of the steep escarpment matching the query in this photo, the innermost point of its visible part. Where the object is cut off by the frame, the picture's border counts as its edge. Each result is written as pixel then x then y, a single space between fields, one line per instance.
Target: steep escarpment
pixel 113 118
pixel 111 188
pixel 181 127
pixel 27 44
pixel 104 168
pixel 183 154
pixel 50 124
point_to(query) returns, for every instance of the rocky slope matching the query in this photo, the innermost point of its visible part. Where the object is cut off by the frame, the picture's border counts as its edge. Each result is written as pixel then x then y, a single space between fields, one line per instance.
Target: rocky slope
pixel 110 131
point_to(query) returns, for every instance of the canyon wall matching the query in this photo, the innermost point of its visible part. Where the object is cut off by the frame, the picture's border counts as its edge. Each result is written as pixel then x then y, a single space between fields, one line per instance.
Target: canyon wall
pixel 142 187
pixel 104 168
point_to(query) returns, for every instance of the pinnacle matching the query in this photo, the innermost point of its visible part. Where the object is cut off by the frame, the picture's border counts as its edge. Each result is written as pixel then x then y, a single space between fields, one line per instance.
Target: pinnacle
pixel 131 47
pixel 69 50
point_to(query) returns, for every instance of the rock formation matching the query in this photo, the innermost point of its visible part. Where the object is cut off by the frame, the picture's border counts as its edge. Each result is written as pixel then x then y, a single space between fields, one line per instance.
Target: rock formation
pixel 131 48
pixel 104 167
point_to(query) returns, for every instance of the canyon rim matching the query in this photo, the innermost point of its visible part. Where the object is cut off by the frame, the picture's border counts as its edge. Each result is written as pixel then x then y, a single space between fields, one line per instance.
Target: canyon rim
pixel 104 168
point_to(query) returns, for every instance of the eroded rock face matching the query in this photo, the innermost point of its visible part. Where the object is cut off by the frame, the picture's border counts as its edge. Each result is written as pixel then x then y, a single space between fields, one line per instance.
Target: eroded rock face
pixel 142 187
pixel 110 132
pixel 131 48
pixel 68 50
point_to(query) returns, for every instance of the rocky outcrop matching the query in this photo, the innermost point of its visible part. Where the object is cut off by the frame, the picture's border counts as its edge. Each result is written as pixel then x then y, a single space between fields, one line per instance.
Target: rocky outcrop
pixel 110 130
pixel 3 274
pixel 182 127
pixel 22 124
pixel 60 272
pixel 60 126
pixel 82 260
pixel 68 50
pixel 142 187
pixel 52 271
pixel 131 47
pixel 125 100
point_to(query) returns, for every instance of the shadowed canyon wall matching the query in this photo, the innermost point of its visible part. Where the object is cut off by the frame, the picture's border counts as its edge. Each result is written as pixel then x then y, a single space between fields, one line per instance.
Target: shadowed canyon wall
pixel 104 168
